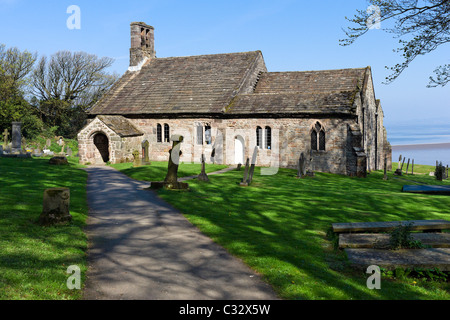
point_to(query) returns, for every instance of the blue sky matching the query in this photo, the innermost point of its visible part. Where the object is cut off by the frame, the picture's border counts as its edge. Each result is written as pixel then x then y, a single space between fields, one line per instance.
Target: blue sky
pixel 292 35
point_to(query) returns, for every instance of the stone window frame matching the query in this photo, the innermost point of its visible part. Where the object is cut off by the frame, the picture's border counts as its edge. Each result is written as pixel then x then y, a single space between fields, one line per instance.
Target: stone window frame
pixel 201 133
pixel 259 137
pixel 268 138
pixel 166 133
pixel 159 133
pixel 318 137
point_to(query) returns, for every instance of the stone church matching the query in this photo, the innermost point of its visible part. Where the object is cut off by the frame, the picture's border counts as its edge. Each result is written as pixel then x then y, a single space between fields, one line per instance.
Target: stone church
pixel 230 108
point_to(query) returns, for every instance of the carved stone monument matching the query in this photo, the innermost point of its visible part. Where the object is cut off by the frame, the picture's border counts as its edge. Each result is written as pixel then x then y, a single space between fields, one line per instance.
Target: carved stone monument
pixel 16 135
pixel 203 176
pixel 171 181
pixel 55 207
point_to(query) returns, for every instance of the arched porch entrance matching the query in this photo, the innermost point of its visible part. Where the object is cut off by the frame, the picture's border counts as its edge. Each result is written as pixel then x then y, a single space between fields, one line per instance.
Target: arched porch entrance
pixel 101 142
pixel 239 150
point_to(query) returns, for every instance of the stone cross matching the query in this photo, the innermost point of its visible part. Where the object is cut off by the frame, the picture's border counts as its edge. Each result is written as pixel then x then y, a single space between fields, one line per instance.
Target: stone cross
pixel 203 176
pixel 5 137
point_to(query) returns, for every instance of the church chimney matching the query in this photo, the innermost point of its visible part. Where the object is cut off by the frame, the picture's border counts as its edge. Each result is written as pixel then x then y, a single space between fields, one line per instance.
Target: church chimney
pixel 142 43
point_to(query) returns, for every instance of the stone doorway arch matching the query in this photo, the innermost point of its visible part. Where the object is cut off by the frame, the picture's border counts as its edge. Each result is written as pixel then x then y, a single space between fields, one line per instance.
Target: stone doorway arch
pixel 101 142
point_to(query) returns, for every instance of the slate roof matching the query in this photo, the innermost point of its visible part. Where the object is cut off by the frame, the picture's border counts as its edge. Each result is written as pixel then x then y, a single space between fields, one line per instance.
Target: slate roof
pixel 120 125
pixel 306 92
pixel 195 84
pixel 214 84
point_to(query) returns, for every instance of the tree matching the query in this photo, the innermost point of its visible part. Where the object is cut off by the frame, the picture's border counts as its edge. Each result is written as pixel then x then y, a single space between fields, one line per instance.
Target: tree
pixel 66 85
pixel 15 66
pixel 425 25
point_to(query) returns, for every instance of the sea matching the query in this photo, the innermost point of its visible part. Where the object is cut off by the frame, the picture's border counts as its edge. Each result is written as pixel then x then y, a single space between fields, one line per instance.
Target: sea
pixel 427 153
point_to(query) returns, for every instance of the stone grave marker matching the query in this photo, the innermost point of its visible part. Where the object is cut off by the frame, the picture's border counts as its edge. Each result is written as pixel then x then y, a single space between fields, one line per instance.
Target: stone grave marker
pixel 16 137
pixel 69 152
pixel 385 169
pixel 55 208
pixel 5 138
pixel 239 167
pixel 203 176
pixel 137 159
pixel 407 166
pixel 145 152
pixel 171 181
pixel 245 179
pixel 1 150
pixel 301 170
pixel 412 167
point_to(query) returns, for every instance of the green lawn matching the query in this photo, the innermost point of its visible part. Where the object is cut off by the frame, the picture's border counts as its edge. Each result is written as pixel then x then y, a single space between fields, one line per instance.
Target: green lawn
pixel 158 169
pixel 34 259
pixel 278 227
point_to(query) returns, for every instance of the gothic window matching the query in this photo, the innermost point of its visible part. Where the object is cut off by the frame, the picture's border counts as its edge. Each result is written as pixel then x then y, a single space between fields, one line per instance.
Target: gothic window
pixel 259 137
pixel 208 137
pixel 268 138
pixel 318 137
pixel 158 133
pixel 166 133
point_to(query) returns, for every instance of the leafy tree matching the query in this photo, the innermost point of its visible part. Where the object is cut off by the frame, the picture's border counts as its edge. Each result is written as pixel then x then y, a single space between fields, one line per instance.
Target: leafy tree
pixel 425 25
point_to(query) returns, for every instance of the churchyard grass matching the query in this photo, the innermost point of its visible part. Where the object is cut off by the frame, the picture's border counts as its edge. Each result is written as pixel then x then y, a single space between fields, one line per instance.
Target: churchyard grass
pixel 34 259
pixel 278 226
pixel 158 169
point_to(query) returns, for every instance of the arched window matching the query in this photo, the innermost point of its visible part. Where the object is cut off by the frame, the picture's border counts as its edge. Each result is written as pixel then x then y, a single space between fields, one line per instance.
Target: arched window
pixel 166 133
pixel 268 138
pixel 208 136
pixel 158 133
pixel 259 137
pixel 318 137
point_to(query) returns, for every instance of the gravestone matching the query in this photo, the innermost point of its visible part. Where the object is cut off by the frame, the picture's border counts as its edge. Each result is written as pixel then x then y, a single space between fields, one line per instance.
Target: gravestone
pixel 399 161
pixel 203 176
pixel 385 169
pixel 244 181
pixel 239 167
pixel 412 167
pixel 16 137
pixel 1 150
pixel 55 208
pixel 171 181
pixel 301 170
pixel 398 171
pixel 5 138
pixel 69 152
pixel 137 159
pixel 145 152
pixel 407 166
pixel 58 161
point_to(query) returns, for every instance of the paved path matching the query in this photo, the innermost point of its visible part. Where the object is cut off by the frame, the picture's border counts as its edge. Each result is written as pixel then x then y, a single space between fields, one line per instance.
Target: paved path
pixel 142 248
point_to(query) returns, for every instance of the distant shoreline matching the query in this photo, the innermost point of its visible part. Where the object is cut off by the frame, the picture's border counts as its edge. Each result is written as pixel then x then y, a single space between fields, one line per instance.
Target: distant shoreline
pixel 445 145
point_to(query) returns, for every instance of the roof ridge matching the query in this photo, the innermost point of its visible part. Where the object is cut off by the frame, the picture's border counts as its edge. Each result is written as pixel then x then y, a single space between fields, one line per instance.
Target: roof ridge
pixel 209 55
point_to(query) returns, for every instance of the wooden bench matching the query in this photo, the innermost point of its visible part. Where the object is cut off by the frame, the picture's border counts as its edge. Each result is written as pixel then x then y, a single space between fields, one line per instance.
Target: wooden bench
pixel 407 258
pixel 417 225
pixel 374 240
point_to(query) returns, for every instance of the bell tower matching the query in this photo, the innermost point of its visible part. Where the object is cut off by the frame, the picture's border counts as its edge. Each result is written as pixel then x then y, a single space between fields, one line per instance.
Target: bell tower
pixel 142 43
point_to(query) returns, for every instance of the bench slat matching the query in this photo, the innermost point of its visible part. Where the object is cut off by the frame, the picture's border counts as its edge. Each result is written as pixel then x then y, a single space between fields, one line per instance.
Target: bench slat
pixel 390 225
pixel 373 240
pixel 392 259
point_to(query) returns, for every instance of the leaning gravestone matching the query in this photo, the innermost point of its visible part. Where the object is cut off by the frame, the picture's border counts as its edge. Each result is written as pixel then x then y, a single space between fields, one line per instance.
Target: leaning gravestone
pixel 171 181
pixel 203 176
pixel 244 181
pixel 55 207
